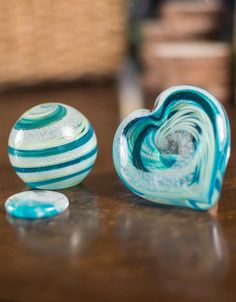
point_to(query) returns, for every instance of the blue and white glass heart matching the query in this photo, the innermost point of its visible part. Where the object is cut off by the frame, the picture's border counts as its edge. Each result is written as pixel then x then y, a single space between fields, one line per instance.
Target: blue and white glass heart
pixel 177 153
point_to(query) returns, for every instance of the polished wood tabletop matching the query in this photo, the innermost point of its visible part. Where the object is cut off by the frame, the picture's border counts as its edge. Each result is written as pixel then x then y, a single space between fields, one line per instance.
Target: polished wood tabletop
pixel 111 245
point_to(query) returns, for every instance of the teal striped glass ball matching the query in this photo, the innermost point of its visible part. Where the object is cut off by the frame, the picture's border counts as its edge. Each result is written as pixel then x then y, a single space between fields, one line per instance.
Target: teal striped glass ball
pixel 52 146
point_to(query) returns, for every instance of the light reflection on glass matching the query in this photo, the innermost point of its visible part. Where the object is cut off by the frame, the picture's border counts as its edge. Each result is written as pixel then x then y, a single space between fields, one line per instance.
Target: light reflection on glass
pixel 71 232
pixel 180 245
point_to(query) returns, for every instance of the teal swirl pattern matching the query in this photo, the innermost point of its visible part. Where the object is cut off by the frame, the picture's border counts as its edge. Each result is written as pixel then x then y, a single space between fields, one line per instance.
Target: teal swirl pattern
pixel 52 146
pixel 177 153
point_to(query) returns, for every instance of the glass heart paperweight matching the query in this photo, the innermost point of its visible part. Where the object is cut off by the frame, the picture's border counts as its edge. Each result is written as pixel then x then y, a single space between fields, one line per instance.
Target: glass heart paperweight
pixel 177 153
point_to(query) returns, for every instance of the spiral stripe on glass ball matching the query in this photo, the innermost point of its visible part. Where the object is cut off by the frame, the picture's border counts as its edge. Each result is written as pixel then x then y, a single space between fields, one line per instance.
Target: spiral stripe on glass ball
pixel 52 146
pixel 177 153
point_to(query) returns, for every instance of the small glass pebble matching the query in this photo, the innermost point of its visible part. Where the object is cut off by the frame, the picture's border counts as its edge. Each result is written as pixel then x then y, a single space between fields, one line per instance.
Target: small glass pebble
pixel 36 204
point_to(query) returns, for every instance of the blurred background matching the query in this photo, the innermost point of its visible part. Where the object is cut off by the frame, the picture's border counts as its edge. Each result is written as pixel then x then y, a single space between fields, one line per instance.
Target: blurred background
pixel 108 58
pixel 147 45
pixel 191 42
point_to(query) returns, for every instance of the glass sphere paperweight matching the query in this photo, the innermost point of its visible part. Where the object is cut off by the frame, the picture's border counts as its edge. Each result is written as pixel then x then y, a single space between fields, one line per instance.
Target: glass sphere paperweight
pixel 52 146
pixel 177 153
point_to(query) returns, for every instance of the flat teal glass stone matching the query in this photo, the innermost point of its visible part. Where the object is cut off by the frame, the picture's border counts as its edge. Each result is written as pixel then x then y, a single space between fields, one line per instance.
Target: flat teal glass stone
pixel 52 146
pixel 36 204
pixel 177 153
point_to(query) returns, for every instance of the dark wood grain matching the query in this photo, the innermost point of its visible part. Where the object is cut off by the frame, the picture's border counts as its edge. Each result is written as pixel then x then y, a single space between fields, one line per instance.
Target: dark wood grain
pixel 111 245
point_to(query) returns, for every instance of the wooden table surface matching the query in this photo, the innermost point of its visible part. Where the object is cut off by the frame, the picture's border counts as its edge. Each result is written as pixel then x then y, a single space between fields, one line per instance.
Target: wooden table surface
pixel 111 245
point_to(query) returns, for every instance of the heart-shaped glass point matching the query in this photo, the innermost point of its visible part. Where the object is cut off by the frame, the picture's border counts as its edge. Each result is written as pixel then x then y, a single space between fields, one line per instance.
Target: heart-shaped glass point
pixel 177 153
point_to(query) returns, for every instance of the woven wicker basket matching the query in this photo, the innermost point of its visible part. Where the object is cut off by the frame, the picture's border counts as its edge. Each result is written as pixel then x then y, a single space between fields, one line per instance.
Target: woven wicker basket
pixel 60 40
